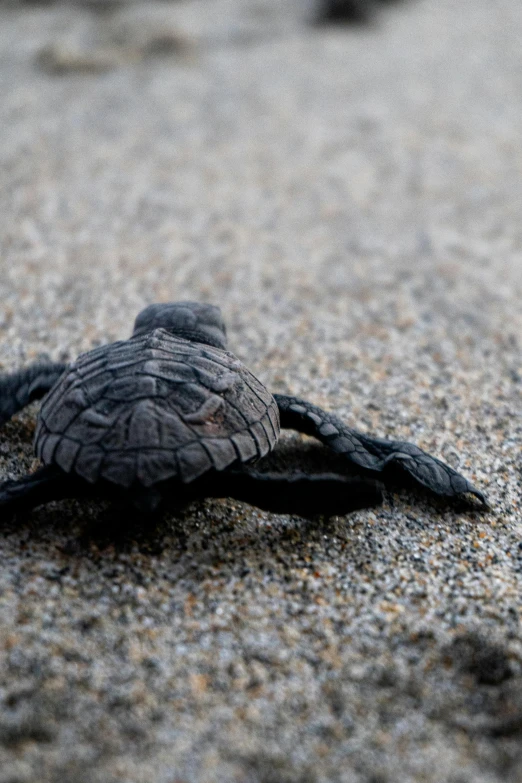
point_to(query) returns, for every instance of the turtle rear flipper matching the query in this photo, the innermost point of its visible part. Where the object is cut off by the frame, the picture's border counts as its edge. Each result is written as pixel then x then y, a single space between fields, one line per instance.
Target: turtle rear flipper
pixel 323 494
pixel 44 485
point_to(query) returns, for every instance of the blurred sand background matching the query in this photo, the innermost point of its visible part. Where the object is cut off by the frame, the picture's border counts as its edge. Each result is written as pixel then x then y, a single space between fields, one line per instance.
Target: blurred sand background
pixel 351 197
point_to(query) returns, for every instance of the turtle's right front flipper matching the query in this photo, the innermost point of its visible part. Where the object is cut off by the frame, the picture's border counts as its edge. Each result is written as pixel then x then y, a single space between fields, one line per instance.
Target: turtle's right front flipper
pixel 374 454
pixel 21 388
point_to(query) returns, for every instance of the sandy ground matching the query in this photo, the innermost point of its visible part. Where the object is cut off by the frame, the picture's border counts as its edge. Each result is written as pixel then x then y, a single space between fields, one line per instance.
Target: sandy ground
pixel 351 197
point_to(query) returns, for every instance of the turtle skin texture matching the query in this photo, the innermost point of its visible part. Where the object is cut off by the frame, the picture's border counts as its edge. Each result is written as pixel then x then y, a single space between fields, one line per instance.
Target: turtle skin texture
pixel 153 408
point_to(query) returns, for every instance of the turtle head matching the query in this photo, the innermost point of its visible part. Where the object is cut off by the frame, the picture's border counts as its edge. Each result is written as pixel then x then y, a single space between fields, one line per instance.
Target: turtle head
pixel 201 323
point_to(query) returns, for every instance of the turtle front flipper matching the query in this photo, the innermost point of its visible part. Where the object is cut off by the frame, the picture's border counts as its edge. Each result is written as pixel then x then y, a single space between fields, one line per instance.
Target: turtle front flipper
pixel 323 494
pixel 35 489
pixel 374 454
pixel 21 388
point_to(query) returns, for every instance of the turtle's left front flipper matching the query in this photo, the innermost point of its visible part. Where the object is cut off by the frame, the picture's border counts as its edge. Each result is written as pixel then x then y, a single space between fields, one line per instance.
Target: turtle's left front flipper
pixel 21 388
pixel 374 454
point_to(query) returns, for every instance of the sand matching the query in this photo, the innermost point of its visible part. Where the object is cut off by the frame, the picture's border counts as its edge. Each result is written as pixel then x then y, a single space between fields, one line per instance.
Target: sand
pixel 351 198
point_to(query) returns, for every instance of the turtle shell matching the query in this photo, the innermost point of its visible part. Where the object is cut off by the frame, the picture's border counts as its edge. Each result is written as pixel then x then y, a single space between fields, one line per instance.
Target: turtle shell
pixel 152 408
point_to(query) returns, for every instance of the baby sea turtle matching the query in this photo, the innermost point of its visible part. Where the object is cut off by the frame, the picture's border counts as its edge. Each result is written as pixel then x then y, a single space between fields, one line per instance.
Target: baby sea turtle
pixel 347 11
pixel 169 415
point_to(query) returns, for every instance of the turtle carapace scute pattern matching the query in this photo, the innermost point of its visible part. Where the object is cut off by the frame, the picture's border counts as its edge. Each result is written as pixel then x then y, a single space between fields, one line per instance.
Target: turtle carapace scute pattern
pixel 169 415
pixel 153 408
